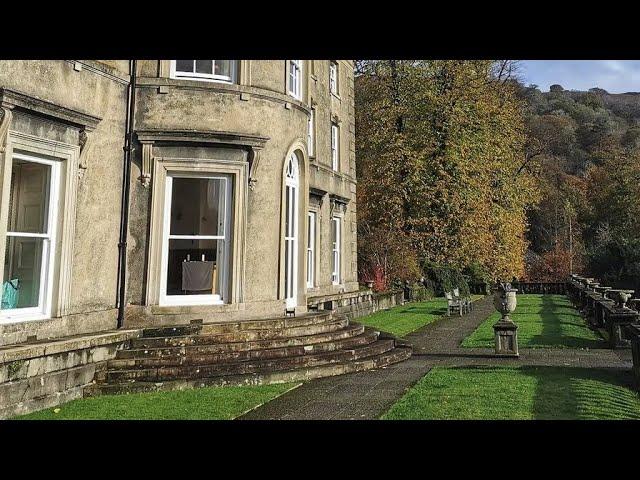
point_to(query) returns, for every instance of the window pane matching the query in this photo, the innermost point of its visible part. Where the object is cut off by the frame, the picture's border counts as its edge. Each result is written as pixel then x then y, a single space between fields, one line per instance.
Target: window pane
pixel 287 274
pixel 188 273
pixel 29 197
pixel 22 271
pixel 197 206
pixel 184 66
pixel 204 66
pixel 223 68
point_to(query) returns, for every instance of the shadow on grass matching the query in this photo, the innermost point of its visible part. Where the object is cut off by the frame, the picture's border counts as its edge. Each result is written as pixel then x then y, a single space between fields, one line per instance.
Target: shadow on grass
pixel 536 392
pixel 558 321
pixel 425 309
pixel 583 394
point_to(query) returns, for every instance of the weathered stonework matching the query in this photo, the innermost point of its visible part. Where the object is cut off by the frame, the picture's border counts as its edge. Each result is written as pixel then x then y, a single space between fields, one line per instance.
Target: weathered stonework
pixel 75 111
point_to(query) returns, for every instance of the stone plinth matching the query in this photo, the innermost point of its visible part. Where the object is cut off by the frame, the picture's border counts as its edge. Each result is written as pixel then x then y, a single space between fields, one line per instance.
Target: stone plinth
pixel 506 333
pixel 615 318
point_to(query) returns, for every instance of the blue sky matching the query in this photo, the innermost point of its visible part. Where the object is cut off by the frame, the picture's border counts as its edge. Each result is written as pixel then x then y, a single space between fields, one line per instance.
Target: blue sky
pixel 615 76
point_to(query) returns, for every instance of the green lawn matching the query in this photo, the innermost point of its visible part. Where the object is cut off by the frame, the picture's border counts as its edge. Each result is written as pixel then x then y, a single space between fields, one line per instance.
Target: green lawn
pixel 524 393
pixel 544 321
pixel 208 403
pixel 404 319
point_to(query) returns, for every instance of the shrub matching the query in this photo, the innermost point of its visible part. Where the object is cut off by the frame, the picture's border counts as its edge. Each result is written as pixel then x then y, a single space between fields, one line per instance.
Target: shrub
pixel 444 278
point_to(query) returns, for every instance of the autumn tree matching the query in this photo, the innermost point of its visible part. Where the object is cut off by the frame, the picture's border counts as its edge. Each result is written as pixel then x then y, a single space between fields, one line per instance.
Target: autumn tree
pixel 441 167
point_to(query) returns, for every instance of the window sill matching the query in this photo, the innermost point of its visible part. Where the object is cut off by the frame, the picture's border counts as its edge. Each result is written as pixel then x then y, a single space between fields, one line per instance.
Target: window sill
pixel 335 95
pixel 204 79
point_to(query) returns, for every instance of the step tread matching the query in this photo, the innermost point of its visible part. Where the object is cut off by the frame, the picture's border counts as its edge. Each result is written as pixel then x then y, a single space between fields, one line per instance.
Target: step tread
pixel 349 331
pixel 240 336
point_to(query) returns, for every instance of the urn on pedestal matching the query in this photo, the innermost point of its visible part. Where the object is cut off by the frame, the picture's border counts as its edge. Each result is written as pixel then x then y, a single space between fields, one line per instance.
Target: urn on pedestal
pixel 506 332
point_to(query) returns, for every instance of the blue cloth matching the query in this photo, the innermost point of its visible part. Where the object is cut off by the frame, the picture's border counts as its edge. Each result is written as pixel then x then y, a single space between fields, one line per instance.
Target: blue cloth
pixel 10 294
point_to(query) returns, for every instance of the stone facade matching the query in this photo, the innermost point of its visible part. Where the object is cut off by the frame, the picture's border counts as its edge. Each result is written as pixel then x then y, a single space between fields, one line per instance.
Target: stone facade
pixel 73 113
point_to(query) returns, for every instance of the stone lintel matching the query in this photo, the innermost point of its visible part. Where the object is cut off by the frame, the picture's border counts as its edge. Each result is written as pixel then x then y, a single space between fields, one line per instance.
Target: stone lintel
pixel 13 99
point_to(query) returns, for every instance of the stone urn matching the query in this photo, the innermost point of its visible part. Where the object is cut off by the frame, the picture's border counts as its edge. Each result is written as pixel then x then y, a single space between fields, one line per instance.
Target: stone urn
pixel 621 297
pixel 504 301
pixel 506 332
pixel 370 284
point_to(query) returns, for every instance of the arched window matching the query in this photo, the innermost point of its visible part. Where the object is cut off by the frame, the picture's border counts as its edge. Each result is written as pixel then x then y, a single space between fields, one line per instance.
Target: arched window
pixel 291 194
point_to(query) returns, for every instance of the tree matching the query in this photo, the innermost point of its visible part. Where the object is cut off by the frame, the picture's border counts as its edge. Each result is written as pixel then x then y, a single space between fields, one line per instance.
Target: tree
pixel 441 153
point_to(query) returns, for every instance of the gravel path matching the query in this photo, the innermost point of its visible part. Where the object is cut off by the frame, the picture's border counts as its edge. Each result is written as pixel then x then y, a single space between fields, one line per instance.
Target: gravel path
pixel 367 395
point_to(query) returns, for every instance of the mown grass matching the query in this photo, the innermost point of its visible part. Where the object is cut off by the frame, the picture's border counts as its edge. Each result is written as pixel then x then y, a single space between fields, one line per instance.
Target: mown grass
pixel 404 319
pixel 208 403
pixel 544 321
pixel 518 393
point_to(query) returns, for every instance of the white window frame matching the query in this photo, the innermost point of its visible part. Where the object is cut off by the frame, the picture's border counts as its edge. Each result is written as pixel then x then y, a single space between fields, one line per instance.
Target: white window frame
pixel 311 133
pixel 335 147
pixel 291 191
pixel 333 77
pixel 294 78
pixel 336 251
pixel 311 249
pixel 223 267
pixel 45 295
pixel 206 77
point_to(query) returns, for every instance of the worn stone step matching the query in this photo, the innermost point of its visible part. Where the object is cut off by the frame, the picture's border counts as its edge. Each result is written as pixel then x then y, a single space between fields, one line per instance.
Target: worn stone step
pixel 239 336
pixel 172 331
pixel 351 330
pixel 268 324
pixel 382 360
pixel 252 366
pixel 187 355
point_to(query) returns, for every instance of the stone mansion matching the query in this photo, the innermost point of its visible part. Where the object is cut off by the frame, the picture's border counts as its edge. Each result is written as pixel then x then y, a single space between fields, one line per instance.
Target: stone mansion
pixel 232 201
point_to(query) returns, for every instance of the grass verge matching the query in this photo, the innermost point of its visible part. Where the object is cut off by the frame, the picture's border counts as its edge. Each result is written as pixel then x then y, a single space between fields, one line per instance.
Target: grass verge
pixel 208 403
pixel 519 393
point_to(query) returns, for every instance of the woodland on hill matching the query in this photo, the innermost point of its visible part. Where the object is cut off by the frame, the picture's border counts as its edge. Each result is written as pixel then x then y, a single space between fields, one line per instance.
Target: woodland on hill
pixel 465 174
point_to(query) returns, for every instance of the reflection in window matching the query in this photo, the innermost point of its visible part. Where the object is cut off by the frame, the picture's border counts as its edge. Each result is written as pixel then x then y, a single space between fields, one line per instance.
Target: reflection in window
pixel 218 70
pixel 198 237
pixel 30 223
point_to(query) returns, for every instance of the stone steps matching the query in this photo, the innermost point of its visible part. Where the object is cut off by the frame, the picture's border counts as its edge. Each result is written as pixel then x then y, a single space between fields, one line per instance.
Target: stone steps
pixel 196 356
pixel 395 355
pixel 245 335
pixel 246 353
pixel 349 331
pixel 160 374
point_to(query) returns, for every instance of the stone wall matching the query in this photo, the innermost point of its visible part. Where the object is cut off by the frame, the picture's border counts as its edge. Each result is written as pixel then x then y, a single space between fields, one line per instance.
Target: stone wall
pixel 358 304
pixel 46 374
pixel 79 106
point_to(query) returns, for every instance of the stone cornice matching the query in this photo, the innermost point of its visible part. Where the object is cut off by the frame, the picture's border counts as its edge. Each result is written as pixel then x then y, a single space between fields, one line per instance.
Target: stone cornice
pixel 253 144
pixel 13 99
pixel 202 136
pixel 339 199
pixel 219 87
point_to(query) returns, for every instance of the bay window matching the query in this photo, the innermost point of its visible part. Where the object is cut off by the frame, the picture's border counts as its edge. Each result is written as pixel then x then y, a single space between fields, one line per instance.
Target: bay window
pixel 311 247
pixel 336 234
pixel 196 243
pixel 210 70
pixel 333 77
pixel 311 133
pixel 335 147
pixel 294 85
